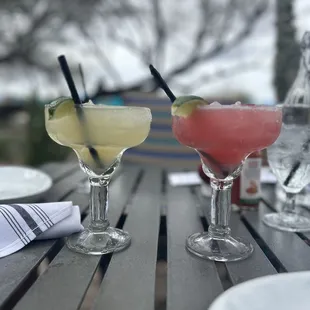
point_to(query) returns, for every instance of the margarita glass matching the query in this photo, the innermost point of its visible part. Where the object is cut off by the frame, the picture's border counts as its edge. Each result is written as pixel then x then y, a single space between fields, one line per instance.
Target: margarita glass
pixel 289 160
pixel 289 156
pixel 223 136
pixel 99 135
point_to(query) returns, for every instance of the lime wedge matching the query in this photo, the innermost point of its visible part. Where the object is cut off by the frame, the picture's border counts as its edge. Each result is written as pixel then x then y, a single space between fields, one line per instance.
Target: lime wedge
pixel 185 105
pixel 61 107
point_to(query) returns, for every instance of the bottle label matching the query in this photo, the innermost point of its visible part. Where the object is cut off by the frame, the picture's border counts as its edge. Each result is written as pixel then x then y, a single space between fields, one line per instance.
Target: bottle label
pixel 250 188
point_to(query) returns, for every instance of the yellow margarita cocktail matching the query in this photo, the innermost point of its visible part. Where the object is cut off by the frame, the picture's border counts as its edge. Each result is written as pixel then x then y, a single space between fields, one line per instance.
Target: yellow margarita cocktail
pixel 110 129
pixel 99 135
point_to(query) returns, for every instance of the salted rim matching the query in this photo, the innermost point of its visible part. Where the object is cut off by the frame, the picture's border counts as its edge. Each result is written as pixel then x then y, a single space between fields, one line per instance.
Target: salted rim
pixel 239 107
pixel 90 104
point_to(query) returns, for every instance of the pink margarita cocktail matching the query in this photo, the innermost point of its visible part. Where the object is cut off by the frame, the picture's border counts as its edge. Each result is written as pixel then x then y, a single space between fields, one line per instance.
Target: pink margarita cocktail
pixel 225 135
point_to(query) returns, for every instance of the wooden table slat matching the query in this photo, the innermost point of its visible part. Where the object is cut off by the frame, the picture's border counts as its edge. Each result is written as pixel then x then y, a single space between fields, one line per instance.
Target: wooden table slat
pixel 79 199
pixel 15 267
pixel 193 283
pixel 65 186
pixel 257 265
pixel 269 197
pixel 291 251
pixel 72 270
pixel 129 283
pixel 58 170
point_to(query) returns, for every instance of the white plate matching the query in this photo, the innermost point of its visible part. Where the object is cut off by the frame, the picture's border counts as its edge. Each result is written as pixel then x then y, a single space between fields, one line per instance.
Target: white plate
pixel 22 184
pixel 286 291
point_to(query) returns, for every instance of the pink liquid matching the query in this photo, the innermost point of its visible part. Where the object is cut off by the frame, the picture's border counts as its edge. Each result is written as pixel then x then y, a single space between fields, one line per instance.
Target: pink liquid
pixel 228 133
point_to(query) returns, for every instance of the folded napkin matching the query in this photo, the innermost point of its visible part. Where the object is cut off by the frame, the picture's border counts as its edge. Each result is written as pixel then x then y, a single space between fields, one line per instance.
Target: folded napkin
pixel 22 223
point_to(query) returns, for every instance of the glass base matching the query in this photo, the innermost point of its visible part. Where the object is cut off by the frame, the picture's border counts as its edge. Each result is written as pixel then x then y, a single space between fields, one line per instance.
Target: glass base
pixel 225 249
pixel 287 221
pixel 97 243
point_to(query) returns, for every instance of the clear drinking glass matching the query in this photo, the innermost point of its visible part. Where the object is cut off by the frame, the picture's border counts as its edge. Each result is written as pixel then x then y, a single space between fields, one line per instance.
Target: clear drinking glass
pixel 224 136
pixel 289 159
pixel 99 135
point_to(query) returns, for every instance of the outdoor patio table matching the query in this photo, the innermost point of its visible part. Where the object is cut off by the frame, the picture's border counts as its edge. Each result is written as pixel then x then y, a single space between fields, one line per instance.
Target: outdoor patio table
pixel 46 275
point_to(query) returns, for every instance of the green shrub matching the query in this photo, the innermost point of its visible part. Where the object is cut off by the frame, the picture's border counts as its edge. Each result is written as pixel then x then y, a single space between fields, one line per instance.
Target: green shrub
pixel 41 147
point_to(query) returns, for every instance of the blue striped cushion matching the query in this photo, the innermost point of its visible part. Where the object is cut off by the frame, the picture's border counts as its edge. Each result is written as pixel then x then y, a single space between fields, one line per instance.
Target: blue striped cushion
pixel 160 148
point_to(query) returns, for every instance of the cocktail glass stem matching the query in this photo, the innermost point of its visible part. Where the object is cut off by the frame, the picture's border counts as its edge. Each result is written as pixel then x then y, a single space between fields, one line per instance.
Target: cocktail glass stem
pixel 99 204
pixel 288 219
pixel 220 207
pixel 289 206
pixel 217 243
pixel 99 237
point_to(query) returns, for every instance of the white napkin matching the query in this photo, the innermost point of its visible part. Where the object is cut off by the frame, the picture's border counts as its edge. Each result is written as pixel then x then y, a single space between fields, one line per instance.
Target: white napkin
pixel 22 223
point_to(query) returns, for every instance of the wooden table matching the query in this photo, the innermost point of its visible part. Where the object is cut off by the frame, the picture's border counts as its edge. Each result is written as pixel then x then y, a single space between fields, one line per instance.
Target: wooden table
pixel 46 275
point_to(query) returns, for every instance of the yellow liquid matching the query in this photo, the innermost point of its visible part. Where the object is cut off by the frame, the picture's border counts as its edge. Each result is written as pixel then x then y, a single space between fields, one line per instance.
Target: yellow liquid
pixel 110 130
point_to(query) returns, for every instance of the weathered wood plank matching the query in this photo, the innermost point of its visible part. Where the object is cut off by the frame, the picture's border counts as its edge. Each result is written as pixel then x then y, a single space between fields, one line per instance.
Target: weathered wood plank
pixel 269 197
pixel 132 273
pixel 65 282
pixel 65 186
pixel 291 251
pixel 59 170
pixel 16 267
pixel 192 283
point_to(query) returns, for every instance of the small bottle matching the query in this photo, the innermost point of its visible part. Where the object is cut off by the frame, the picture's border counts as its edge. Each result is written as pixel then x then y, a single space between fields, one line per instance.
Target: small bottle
pixel 246 191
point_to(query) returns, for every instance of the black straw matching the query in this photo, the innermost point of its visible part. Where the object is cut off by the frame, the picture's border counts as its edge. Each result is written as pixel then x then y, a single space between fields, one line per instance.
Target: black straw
pixel 164 86
pixel 161 82
pixel 76 99
pixel 292 173
pixel 68 76
pixel 86 97
pixel 305 147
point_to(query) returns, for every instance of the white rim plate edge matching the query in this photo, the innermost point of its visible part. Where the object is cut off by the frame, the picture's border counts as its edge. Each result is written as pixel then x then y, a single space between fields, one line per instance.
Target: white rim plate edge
pixel 221 302
pixel 45 184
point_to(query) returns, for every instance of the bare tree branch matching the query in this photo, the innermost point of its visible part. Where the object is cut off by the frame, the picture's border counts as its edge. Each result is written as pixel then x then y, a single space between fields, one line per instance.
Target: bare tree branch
pixel 131 45
pixel 184 35
pixel 23 48
pixel 107 65
pixel 127 35
pixel 221 46
pixel 231 71
pixel 203 30
pixel 160 34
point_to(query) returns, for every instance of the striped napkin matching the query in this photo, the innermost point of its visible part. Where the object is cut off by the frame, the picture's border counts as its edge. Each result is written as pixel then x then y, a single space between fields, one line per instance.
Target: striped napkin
pixel 22 223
